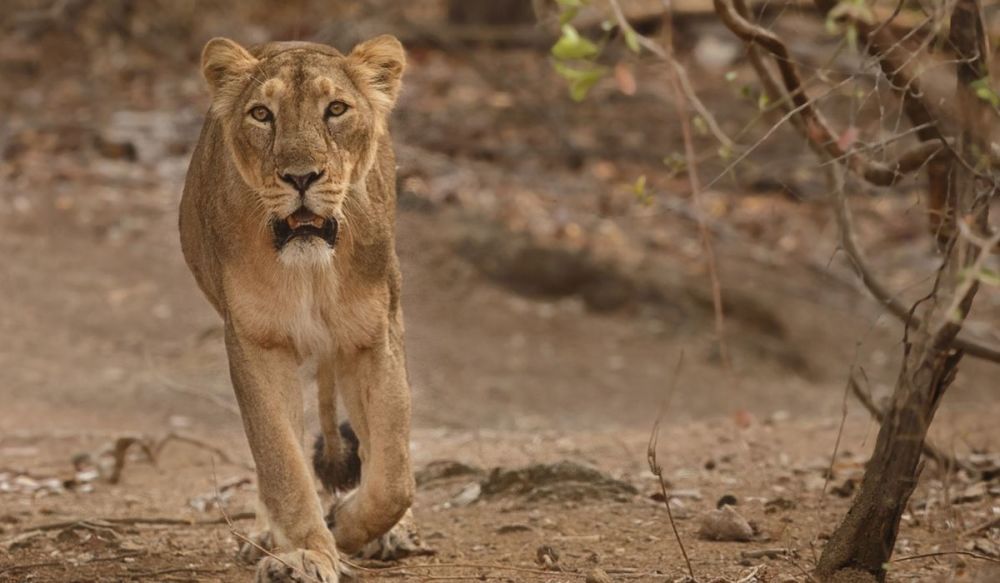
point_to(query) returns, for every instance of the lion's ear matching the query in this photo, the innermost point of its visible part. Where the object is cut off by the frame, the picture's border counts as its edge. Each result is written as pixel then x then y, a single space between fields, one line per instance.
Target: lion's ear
pixel 224 61
pixel 380 63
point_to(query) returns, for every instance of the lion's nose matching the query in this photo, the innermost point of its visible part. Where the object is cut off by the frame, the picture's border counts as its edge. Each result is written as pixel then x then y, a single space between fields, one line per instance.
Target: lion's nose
pixel 301 182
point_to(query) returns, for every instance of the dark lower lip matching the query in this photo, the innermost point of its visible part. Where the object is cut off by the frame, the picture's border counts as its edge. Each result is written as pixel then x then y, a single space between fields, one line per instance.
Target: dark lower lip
pixel 283 234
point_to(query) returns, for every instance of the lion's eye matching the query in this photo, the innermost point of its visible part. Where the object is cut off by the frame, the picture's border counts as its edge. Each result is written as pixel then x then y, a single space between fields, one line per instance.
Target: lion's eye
pixel 336 109
pixel 261 113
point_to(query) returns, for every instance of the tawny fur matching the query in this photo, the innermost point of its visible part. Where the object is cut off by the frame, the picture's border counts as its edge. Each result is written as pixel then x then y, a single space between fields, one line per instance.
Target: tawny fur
pixel 305 302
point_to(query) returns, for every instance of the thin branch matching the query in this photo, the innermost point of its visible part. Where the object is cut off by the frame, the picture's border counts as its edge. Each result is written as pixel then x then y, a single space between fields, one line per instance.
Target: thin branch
pixel 813 125
pixel 654 465
pixel 685 83
pixel 190 570
pixel 216 451
pixel 849 243
pixel 988 525
pixel 945 554
pixel 136 521
pixel 481 566
pixel 63 563
pixel 679 87
pixel 246 539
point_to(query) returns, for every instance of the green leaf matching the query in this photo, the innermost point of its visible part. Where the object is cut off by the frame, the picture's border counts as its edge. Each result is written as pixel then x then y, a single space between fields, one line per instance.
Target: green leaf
pixel 731 76
pixel 985 91
pixel 763 101
pixel 852 37
pixel 580 79
pixel 831 25
pixel 569 9
pixel 699 125
pixel 990 277
pixel 641 194
pixel 725 153
pixel 676 163
pixel 639 188
pixel 573 46
pixel 632 40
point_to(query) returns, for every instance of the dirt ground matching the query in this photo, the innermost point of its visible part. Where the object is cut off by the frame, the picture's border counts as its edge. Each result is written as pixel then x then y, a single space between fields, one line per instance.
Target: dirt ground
pixel 547 309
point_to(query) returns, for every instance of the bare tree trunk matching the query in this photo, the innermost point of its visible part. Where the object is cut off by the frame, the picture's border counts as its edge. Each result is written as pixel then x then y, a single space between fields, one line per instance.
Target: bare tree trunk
pixel 865 539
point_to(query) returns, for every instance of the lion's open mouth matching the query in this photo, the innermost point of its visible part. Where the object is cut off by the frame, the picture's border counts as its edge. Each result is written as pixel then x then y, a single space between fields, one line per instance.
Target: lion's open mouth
pixel 304 223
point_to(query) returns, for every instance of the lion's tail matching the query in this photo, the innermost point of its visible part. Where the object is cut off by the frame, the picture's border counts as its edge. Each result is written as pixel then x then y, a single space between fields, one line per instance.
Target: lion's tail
pixel 337 465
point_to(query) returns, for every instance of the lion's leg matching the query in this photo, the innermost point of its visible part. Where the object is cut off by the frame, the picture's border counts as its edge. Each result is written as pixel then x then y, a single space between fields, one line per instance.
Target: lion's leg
pixel 268 390
pixel 377 396
pixel 335 455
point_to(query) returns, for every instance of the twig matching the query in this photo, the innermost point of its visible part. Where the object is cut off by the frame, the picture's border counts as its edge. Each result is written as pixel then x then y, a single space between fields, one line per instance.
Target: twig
pixel 814 126
pixel 849 243
pixel 183 438
pixel 765 553
pixel 120 449
pixel 32 566
pixel 666 54
pixel 62 563
pixel 246 539
pixel 481 566
pixel 989 524
pixel 944 554
pixel 681 88
pixel 136 520
pixel 657 470
pixel 161 572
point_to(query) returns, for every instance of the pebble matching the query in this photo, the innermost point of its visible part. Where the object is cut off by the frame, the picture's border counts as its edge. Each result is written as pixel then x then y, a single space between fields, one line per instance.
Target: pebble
pixel 725 524
pixel 597 575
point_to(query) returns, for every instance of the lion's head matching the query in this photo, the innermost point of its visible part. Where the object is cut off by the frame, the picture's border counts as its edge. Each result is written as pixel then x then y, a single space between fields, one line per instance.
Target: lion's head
pixel 302 122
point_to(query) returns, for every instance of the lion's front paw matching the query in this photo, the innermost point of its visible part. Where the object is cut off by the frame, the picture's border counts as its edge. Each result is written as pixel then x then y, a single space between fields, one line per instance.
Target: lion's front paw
pixel 299 566
pixel 402 541
pixel 251 552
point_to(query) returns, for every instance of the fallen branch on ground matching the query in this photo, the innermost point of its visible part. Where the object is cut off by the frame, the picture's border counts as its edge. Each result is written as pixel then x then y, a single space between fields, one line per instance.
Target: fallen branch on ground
pixel 63 563
pixel 135 521
pixel 945 554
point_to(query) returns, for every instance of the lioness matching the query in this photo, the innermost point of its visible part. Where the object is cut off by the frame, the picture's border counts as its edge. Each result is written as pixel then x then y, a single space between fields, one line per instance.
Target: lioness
pixel 287 224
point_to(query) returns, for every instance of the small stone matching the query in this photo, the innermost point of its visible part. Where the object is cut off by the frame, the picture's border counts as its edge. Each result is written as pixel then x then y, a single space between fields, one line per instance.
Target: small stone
pixel 725 524
pixel 468 495
pixel 846 489
pixel 779 504
pixel 127 545
pixel 973 493
pixel 597 575
pixel 512 528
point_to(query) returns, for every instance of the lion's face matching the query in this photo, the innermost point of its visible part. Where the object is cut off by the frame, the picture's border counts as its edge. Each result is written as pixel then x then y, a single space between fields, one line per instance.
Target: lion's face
pixel 303 122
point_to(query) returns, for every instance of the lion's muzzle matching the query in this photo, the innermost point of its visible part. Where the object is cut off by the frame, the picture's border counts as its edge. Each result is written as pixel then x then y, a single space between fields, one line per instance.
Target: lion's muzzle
pixel 304 223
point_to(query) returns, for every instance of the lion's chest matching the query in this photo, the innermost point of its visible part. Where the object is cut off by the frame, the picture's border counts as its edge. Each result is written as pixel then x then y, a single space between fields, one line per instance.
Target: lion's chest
pixel 314 312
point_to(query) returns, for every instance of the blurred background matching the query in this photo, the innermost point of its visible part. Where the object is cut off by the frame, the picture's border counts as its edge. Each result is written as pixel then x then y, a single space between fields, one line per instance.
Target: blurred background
pixel 550 248
pixel 542 289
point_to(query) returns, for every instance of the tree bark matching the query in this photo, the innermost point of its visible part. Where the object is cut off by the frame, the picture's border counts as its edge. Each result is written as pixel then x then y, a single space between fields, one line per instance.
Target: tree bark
pixel 865 539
